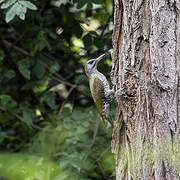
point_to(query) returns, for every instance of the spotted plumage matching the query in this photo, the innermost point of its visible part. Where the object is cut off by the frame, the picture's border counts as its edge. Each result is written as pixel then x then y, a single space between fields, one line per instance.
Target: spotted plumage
pixel 100 89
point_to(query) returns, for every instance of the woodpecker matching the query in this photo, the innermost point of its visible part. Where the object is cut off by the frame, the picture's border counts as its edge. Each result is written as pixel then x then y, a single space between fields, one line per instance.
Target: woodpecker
pixel 100 88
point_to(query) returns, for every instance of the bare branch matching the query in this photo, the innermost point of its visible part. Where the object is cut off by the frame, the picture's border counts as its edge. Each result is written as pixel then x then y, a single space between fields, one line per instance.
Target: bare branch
pixel 15 47
pixel 18 117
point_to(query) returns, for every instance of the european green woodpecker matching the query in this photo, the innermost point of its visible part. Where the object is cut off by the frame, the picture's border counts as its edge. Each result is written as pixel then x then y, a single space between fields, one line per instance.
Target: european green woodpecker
pixel 100 89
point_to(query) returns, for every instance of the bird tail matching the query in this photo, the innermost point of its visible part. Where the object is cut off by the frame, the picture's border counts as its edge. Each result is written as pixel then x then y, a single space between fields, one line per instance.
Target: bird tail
pixel 108 119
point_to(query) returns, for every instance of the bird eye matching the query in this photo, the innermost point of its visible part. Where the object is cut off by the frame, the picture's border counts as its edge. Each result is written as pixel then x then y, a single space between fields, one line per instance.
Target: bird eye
pixel 90 62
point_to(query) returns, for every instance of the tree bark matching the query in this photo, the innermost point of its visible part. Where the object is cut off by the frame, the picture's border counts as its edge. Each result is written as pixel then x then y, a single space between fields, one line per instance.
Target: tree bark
pixel 146 76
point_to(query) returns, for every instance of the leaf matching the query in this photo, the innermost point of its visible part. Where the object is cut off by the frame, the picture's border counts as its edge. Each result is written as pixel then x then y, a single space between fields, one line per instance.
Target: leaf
pixel 7 101
pixel 50 99
pixel 43 43
pixel 54 68
pixel 39 70
pixel 42 86
pixel 28 116
pixel 23 67
pixel 87 40
pixel 22 16
pixel 10 74
pixel 12 12
pixel 21 11
pixel 7 4
pixel 16 9
pixel 67 109
pixel 24 71
pixel 28 5
pixel 40 43
pixel 10 15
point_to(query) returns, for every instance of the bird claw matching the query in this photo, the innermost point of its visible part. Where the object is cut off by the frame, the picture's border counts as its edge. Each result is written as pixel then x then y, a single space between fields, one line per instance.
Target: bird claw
pixel 119 93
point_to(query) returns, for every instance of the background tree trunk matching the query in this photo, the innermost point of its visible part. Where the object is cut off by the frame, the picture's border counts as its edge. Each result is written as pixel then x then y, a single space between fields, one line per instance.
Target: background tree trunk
pixel 146 43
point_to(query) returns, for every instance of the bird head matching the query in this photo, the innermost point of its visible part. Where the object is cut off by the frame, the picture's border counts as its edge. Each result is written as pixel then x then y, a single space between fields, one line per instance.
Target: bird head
pixel 91 65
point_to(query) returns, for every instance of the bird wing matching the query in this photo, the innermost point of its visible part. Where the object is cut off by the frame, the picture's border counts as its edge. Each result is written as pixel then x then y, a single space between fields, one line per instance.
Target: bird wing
pixel 97 91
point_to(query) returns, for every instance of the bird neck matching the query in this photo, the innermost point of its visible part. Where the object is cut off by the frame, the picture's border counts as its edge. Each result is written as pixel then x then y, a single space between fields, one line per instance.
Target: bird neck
pixel 94 71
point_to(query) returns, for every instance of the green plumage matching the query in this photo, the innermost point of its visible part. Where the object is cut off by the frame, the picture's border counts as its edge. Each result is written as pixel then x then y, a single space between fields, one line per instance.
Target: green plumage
pixel 97 91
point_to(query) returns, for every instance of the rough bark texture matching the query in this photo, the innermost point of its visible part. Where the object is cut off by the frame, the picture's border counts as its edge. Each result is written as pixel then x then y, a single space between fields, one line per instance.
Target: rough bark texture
pixel 146 43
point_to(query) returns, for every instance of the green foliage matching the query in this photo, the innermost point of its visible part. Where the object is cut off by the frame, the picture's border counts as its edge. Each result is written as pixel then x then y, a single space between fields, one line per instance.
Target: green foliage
pixel 79 152
pixel 34 60
pixel 16 7
pixel 28 5
pixel 7 101
pixel 38 70
pixel 49 98
pixel 24 68
pixel 28 116
pixel 18 166
pixel 78 141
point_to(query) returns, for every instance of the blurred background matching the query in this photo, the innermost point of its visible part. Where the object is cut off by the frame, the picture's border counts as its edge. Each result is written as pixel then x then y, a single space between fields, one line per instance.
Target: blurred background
pixel 49 126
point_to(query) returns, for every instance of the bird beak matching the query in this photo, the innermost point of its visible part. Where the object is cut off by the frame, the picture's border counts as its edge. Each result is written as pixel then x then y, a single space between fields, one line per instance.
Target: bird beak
pixel 100 58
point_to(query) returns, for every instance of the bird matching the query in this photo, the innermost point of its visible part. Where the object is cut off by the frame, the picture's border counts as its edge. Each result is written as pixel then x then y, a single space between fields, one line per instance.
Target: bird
pixel 100 89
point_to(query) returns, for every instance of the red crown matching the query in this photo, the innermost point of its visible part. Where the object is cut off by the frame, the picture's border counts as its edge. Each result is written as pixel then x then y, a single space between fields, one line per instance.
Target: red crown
pixel 85 68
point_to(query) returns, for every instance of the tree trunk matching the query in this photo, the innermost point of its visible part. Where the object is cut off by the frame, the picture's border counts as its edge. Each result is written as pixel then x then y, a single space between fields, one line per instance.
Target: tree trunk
pixel 146 43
